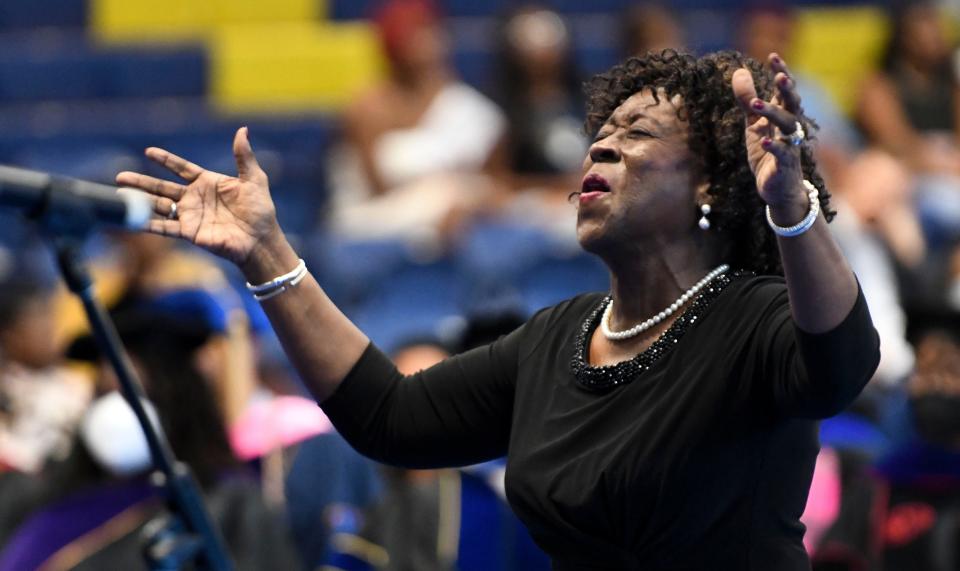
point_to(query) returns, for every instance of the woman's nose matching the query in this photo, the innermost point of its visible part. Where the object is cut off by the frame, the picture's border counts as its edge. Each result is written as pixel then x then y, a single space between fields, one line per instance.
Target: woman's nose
pixel 602 152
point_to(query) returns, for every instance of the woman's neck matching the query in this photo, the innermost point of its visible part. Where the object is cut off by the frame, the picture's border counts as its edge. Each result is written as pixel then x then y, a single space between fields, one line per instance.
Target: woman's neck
pixel 643 285
pixel 423 81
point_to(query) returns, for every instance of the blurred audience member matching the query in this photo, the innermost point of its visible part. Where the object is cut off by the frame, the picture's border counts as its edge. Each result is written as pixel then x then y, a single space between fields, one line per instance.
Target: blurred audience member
pixel 41 402
pixel 99 499
pixel 416 519
pixel 921 530
pixel 414 140
pixel 539 90
pixel 143 266
pixel 650 27
pixel 910 106
pixel 903 512
pixel 910 109
pixel 874 217
pixel 540 93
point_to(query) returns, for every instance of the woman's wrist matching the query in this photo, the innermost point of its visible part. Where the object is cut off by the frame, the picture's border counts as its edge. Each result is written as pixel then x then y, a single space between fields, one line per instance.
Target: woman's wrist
pixel 270 257
pixel 790 207
pixel 788 213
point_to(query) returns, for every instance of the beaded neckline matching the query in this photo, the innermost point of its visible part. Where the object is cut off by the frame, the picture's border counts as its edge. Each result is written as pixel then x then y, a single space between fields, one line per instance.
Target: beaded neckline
pixel 605 377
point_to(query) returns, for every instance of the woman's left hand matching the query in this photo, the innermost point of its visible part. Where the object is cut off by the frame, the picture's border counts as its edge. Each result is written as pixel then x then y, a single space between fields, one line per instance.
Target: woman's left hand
pixel 774 160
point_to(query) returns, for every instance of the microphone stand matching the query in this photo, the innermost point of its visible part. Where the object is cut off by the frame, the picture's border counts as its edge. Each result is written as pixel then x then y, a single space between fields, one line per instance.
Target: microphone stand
pixel 188 534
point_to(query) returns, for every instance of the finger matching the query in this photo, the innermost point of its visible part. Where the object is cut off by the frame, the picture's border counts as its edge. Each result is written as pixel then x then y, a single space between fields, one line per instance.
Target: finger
pixel 162 207
pixel 781 150
pixel 151 185
pixel 247 166
pixel 178 165
pixel 787 92
pixel 777 64
pixel 745 92
pixel 164 227
pixel 780 117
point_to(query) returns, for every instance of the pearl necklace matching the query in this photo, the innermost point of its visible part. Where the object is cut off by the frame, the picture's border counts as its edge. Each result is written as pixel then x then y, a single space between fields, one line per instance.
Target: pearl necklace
pixel 643 326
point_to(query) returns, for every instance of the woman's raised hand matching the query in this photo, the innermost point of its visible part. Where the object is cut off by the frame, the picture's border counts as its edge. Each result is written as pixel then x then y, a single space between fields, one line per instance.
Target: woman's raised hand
pixel 775 161
pixel 229 216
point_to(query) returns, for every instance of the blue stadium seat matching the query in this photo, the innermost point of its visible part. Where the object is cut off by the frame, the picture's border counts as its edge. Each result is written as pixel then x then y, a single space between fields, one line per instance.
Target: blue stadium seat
pixel 22 14
pixel 49 65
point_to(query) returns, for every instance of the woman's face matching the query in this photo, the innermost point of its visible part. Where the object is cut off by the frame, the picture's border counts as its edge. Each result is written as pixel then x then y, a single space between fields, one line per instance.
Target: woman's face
pixel 640 178
pixel 924 42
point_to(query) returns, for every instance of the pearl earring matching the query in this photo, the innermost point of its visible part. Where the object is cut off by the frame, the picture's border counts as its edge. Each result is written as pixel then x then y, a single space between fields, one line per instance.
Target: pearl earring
pixel 704 223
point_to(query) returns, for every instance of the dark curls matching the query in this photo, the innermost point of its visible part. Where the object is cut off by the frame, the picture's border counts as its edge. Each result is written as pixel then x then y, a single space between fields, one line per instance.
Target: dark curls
pixel 716 138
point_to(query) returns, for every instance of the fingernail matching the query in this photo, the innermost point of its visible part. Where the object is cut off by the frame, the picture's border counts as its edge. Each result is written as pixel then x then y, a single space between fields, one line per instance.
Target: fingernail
pixel 776 59
pixel 758 104
pixel 766 141
pixel 784 81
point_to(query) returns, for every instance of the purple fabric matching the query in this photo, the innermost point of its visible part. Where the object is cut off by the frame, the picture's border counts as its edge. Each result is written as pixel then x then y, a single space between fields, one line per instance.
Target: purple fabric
pixel 53 527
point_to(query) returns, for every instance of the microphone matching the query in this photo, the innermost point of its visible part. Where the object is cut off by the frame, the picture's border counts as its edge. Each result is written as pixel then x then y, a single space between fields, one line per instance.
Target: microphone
pixel 70 205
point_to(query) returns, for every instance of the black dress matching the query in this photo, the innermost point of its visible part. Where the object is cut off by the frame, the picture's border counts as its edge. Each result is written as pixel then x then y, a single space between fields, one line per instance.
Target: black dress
pixel 702 461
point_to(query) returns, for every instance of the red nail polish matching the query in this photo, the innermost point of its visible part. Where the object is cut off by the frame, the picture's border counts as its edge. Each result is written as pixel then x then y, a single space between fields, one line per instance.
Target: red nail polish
pixel 758 104
pixel 766 141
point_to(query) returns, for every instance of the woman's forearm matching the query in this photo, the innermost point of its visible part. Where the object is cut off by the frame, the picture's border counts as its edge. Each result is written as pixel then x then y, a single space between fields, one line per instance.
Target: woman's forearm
pixel 318 338
pixel 820 283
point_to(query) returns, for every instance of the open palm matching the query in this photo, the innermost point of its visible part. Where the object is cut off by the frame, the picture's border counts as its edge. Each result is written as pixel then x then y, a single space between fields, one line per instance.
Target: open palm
pixel 224 214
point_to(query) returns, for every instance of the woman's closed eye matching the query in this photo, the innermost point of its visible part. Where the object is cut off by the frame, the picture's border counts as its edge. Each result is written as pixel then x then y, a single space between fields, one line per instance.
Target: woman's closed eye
pixel 638 133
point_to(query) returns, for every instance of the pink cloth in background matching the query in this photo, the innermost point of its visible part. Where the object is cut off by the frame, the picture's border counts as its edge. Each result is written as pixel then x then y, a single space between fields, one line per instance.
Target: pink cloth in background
pixel 277 423
pixel 823 503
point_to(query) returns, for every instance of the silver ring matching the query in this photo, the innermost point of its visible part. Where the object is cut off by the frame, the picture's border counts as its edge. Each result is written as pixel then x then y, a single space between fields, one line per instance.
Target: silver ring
pixel 796 137
pixel 172 215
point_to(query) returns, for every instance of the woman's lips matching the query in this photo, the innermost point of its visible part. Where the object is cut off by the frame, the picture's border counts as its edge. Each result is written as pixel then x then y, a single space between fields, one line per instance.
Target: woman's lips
pixel 593 187
pixel 592 195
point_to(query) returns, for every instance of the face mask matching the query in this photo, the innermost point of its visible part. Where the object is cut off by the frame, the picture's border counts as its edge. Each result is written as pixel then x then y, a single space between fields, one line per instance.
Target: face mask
pixel 113 436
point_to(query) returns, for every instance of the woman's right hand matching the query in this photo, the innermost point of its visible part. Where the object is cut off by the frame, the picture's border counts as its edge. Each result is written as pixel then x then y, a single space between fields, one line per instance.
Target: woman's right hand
pixel 229 216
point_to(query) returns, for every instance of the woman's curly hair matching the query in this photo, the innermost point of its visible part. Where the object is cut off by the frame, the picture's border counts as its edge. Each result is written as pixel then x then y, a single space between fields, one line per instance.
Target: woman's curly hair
pixel 716 137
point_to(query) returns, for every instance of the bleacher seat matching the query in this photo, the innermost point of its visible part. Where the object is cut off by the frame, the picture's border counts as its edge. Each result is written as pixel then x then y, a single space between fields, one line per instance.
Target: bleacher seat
pixel 38 66
pixel 28 14
pixel 178 20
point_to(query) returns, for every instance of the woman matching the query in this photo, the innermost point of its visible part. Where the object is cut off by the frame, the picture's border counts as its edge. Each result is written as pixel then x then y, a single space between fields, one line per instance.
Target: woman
pixel 419 145
pixel 910 107
pixel 685 442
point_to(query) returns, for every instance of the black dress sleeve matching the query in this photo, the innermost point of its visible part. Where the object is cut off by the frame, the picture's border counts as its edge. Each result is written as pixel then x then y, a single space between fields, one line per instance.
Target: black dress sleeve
pixel 813 375
pixel 455 413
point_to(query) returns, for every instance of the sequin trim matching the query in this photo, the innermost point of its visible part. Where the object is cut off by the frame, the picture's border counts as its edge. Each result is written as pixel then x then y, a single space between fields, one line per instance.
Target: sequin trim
pixel 606 377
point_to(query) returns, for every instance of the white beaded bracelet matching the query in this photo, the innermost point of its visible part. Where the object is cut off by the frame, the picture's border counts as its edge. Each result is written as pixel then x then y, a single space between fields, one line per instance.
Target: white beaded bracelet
pixel 279 284
pixel 808 220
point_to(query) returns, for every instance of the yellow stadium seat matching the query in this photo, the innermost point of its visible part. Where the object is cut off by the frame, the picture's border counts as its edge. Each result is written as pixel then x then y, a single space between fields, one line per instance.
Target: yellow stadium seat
pixel 181 20
pixel 292 67
pixel 839 47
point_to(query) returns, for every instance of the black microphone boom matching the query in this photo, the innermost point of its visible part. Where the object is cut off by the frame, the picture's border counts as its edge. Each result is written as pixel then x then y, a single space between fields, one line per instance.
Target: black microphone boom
pixel 67 204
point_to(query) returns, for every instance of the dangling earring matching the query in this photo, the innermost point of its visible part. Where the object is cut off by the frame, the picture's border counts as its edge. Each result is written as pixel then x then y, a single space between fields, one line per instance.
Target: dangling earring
pixel 704 223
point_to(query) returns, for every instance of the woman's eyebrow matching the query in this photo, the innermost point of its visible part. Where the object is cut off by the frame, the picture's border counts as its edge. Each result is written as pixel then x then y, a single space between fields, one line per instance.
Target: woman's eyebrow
pixel 636 115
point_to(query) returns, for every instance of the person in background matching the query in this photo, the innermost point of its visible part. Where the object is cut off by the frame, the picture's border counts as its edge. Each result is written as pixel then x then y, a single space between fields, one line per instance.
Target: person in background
pixel 910 106
pixel 910 109
pixel 415 520
pixel 538 88
pixel 418 145
pixel 650 27
pixel 97 501
pixel 902 510
pixel 41 402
